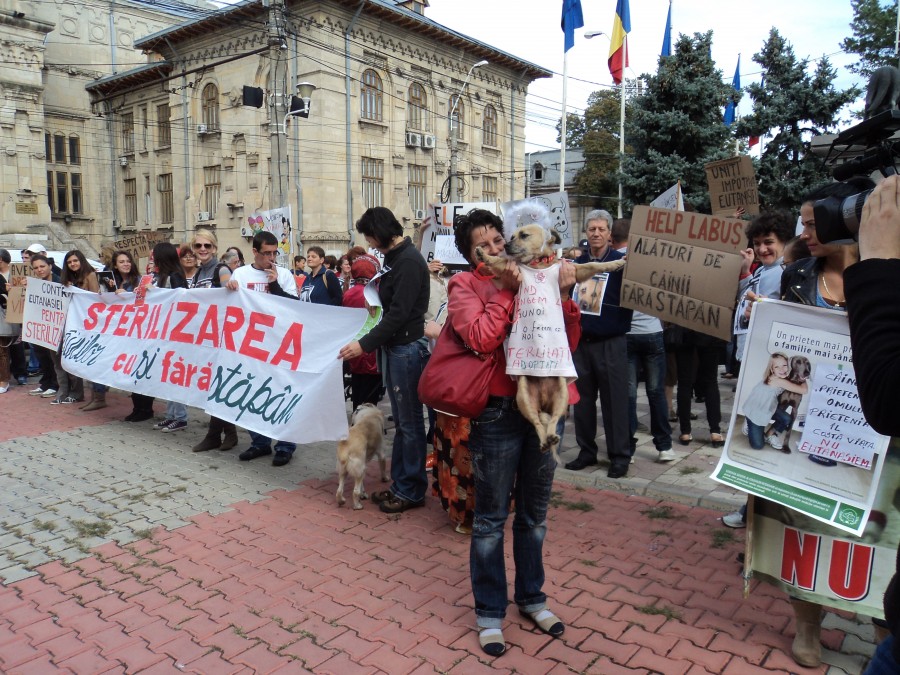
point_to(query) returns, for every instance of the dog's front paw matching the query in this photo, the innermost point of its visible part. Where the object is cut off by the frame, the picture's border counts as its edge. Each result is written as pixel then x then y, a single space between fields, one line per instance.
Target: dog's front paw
pixel 551 442
pixel 357 506
pixel 480 255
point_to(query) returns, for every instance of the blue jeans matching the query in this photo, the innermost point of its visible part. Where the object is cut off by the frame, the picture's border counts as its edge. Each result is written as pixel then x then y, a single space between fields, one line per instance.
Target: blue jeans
pixel 649 351
pixel 756 435
pixel 506 460
pixel 260 441
pixel 883 661
pixel 176 411
pixel 403 365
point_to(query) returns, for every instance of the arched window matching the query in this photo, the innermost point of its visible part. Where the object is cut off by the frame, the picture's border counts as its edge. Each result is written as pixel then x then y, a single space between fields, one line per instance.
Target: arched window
pixel 371 103
pixel 210 101
pixel 457 116
pixel 416 108
pixel 489 126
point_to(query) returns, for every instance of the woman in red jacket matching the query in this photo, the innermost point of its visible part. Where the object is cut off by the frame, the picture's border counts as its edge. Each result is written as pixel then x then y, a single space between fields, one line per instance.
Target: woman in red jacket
pixel 506 457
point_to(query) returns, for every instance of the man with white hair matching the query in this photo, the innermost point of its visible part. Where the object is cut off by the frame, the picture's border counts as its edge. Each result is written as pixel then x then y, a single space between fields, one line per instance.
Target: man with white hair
pixel 601 361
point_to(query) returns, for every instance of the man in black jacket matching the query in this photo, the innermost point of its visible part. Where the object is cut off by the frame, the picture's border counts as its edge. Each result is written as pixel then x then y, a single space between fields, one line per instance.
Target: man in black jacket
pixel 872 288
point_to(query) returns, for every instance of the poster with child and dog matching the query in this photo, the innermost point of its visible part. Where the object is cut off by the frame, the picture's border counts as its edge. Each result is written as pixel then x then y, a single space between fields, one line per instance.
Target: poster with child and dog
pixel 798 436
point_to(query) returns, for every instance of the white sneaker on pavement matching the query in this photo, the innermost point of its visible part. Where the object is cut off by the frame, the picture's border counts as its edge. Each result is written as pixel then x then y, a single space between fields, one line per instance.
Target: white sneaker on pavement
pixel 667 456
pixel 735 520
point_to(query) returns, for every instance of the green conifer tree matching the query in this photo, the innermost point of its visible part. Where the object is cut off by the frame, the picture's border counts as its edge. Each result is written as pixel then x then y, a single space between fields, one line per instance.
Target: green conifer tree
pixel 874 28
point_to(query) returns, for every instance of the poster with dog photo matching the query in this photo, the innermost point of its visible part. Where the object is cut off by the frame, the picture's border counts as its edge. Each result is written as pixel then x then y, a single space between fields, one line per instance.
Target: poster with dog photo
pixel 588 295
pixel 798 436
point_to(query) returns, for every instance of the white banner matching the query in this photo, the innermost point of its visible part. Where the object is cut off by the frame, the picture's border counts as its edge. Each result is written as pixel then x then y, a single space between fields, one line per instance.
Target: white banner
pixel 266 363
pixel 439 221
pixel 670 199
pixel 44 315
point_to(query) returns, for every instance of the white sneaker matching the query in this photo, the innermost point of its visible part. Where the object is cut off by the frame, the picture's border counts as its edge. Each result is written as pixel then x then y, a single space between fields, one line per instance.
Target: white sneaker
pixel 5 388
pixel 36 392
pixel 50 393
pixel 667 456
pixel 745 429
pixel 775 442
pixel 735 520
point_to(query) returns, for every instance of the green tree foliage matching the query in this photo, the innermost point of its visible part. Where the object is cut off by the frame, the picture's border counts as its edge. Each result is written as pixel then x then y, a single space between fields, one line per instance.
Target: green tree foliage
pixel 675 126
pixel 791 106
pixel 597 133
pixel 874 25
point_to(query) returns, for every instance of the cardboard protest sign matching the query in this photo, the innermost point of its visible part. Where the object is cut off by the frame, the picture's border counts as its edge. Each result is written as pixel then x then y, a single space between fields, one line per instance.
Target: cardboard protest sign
pixel 732 184
pixel 550 210
pixel 138 245
pixel 44 316
pixel 797 434
pixel 439 221
pixel 15 298
pixel 266 363
pixel 683 268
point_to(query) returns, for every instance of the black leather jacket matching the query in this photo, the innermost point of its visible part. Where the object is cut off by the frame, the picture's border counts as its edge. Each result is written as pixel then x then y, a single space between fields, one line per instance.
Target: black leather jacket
pixel 799 281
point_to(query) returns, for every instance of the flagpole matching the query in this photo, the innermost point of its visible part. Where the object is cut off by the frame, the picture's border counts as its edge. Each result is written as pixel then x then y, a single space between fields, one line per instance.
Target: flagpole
pixel 562 151
pixel 622 123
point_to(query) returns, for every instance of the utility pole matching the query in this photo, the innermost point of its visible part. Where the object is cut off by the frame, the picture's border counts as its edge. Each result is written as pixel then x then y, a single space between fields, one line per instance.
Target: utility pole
pixel 278 101
pixel 454 137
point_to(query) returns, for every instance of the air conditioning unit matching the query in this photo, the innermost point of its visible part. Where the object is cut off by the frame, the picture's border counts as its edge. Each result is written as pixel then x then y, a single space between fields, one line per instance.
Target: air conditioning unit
pixel 413 140
pixel 419 213
pixel 246 231
pixel 429 141
pixel 203 216
pixel 123 161
pixel 201 129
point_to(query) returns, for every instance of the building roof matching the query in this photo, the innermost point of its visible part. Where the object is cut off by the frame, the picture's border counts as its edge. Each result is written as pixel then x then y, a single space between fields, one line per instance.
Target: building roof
pixel 388 10
pixel 149 72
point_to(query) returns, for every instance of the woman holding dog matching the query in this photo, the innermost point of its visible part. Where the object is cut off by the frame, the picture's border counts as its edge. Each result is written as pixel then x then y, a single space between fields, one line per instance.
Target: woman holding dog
pixel 506 457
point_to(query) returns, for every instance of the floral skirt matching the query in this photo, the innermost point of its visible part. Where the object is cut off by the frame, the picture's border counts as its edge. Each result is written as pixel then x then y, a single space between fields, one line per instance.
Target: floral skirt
pixel 454 483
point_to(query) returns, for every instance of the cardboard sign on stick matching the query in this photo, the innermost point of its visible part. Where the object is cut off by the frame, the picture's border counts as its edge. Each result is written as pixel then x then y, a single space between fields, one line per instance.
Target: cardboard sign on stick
pixel 732 184
pixel 683 268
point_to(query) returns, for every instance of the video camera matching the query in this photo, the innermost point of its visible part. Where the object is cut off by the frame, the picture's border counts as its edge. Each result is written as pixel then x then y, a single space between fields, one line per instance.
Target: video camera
pixel 838 218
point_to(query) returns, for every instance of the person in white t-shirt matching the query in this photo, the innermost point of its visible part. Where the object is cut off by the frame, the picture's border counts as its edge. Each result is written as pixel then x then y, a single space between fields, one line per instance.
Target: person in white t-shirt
pixel 264 276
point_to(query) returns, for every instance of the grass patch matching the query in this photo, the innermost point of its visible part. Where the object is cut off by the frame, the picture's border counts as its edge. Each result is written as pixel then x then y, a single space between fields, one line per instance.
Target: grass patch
pixel 660 513
pixel 45 525
pixel 589 563
pixel 145 533
pixel 688 470
pixel 86 529
pixel 556 499
pixel 660 533
pixel 721 537
pixel 654 610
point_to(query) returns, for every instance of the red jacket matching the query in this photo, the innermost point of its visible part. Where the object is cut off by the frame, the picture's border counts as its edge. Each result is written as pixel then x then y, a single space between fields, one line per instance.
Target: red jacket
pixel 367 363
pixel 482 315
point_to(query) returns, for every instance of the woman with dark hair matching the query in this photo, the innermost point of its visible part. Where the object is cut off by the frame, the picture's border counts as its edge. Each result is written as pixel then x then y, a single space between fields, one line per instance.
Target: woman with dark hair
pixel 344 272
pixel 331 263
pixel 43 269
pixel 77 272
pixel 125 271
pixel 240 254
pixel 189 264
pixel 400 335
pixel 505 451
pixel 321 286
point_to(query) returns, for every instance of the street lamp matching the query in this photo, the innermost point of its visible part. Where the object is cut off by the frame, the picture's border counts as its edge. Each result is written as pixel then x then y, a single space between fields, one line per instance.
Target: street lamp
pixel 590 35
pixel 454 135
pixel 299 104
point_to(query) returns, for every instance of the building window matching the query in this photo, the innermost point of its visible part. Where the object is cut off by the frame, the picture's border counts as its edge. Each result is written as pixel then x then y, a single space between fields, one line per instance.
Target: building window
pixel 211 107
pixel 127 133
pixel 457 116
pixel 130 201
pixel 212 188
pixel 144 127
pixel 64 189
pixel 489 128
pixel 489 188
pixel 371 97
pixel 148 201
pixel 538 172
pixel 416 108
pixel 163 125
pixel 418 183
pixel 372 182
pixel 166 198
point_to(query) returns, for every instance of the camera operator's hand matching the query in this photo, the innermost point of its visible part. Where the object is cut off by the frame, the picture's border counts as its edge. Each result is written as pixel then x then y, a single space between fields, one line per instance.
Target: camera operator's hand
pixel 879 226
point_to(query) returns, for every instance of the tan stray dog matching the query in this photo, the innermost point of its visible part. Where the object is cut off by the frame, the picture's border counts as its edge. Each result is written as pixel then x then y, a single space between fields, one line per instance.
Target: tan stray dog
pixel 361 444
pixel 542 400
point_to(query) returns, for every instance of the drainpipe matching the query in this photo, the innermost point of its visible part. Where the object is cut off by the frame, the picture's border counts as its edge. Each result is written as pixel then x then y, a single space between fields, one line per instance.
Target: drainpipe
pixel 349 160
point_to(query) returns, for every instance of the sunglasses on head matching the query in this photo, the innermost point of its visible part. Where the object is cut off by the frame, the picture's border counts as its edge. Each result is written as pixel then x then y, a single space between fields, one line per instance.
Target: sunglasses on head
pixel 199 245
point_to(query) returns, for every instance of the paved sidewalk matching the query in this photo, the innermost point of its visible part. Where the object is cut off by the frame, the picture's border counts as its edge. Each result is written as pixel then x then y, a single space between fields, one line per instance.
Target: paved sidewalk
pixel 122 551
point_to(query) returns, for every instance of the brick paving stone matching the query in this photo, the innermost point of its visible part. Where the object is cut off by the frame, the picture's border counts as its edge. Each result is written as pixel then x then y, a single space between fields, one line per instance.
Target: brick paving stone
pixel 307 652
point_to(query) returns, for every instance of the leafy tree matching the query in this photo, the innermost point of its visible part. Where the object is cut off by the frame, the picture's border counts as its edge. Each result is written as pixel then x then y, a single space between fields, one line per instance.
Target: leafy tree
pixel 675 126
pixel 874 25
pixel 791 105
pixel 597 133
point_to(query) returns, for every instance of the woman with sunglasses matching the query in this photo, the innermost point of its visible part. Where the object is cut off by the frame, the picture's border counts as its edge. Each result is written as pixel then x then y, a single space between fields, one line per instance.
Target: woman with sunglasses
pixel 204 245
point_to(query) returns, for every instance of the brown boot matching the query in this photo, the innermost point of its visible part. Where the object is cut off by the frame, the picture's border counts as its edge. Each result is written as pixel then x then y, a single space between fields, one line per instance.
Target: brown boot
pixel 88 402
pixel 807 648
pixel 97 402
pixel 231 438
pixel 208 443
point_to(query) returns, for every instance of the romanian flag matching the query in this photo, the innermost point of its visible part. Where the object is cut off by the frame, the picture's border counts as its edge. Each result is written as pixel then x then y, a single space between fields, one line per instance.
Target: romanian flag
pixel 618 49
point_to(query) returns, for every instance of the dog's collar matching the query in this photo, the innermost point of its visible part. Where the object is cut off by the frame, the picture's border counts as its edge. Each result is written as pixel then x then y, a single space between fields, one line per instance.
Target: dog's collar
pixel 543 260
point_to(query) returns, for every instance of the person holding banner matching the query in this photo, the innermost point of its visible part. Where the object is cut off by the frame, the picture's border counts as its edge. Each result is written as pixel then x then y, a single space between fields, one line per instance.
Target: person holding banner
pixel 403 291
pixel 204 244
pixel 264 276
pixel 873 302
pixel 41 267
pixel 77 272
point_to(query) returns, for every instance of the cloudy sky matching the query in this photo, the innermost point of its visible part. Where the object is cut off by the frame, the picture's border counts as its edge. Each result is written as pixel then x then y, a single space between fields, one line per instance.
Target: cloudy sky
pixel 530 30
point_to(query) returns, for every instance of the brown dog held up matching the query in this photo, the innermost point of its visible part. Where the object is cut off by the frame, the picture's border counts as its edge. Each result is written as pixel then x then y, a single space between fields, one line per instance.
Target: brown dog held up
pixel 362 443
pixel 542 400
